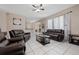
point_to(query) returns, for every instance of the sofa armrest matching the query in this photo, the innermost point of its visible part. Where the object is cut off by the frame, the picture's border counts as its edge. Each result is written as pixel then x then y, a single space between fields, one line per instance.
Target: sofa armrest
pixel 60 37
pixel 45 33
pixel 15 39
pixel 10 48
pixel 61 34
pixel 28 33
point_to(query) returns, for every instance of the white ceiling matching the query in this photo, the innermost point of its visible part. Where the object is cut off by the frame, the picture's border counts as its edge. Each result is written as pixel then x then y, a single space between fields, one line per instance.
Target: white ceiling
pixel 26 10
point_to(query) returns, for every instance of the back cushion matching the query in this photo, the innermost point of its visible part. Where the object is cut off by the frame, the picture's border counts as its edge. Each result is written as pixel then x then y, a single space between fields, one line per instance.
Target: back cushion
pixel 55 31
pixel 0 30
pixel 2 36
pixel 16 32
pixel 58 31
pixel 11 34
pixel 48 31
pixel 51 31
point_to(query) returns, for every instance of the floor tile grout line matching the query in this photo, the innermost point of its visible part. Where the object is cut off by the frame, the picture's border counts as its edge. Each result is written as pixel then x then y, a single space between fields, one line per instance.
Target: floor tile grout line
pixel 55 50
pixel 55 45
pixel 58 52
pixel 31 48
pixel 50 49
pixel 67 50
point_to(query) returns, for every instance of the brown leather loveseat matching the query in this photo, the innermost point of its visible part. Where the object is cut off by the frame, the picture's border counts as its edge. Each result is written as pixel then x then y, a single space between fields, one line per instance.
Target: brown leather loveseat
pixel 13 46
pixel 19 33
pixel 55 34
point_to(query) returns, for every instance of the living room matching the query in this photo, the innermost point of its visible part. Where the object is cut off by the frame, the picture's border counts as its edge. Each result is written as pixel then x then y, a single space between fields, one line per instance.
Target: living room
pixel 39 29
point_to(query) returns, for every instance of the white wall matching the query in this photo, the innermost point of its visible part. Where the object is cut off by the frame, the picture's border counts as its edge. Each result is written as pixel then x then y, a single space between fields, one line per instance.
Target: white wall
pixel 10 22
pixel 75 20
pixel 3 21
pixel 28 25
pixel 6 21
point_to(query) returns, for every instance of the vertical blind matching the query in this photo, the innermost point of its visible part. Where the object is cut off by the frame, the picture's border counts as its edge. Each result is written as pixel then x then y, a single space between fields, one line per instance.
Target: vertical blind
pixel 50 23
pixel 57 22
pixel 61 22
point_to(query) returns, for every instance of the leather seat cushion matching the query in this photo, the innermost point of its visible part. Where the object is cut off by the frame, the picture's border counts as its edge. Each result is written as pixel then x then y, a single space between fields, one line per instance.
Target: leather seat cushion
pixel 4 43
pixel 77 38
pixel 16 39
pixel 2 36
pixel 16 32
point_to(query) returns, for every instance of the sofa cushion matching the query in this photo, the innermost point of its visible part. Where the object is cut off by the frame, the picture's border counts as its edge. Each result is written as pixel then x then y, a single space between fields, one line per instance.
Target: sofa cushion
pixel 77 38
pixel 15 39
pixel 0 30
pixel 4 43
pixel 54 31
pixel 19 33
pixel 16 32
pixel 53 35
pixel 2 36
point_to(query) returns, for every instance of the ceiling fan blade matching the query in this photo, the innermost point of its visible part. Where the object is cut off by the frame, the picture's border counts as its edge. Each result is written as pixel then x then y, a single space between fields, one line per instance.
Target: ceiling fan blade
pixel 38 8
pixel 34 6
pixel 34 10
pixel 40 5
pixel 42 9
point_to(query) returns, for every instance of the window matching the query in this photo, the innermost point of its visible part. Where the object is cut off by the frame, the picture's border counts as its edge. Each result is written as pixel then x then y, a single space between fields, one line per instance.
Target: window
pixel 59 22
pixel 50 24
pixel 56 23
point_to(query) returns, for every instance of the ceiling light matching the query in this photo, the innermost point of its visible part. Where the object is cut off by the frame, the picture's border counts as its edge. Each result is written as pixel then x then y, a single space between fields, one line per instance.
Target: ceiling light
pixel 38 7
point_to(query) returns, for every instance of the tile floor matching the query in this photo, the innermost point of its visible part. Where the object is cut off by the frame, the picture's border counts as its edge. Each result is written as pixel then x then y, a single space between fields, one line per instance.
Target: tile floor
pixel 54 48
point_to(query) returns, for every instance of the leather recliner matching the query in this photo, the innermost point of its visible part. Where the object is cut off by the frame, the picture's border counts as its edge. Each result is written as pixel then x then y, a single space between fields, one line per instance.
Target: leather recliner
pixel 18 33
pixel 13 46
pixel 55 34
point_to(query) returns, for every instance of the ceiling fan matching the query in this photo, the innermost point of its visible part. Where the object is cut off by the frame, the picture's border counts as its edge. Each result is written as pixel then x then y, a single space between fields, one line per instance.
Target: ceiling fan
pixel 38 7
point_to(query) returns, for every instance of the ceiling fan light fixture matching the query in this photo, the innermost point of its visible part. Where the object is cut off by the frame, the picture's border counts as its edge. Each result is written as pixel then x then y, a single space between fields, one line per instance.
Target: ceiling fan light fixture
pixel 38 7
pixel 38 10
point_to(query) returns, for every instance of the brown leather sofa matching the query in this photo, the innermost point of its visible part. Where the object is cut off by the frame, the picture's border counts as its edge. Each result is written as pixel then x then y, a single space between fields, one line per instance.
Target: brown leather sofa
pixel 18 33
pixel 55 34
pixel 13 46
pixel 74 39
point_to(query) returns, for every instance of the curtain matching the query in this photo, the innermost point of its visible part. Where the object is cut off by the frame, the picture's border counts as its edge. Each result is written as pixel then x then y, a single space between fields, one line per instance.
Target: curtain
pixel 50 24
pixel 67 25
pixel 56 23
pixel 59 22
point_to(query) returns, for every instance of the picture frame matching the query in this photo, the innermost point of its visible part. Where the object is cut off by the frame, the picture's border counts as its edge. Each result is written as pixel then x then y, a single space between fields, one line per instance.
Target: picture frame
pixel 16 21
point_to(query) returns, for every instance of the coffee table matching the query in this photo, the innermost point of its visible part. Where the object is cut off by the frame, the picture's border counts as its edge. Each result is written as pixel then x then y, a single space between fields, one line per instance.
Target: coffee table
pixel 43 39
